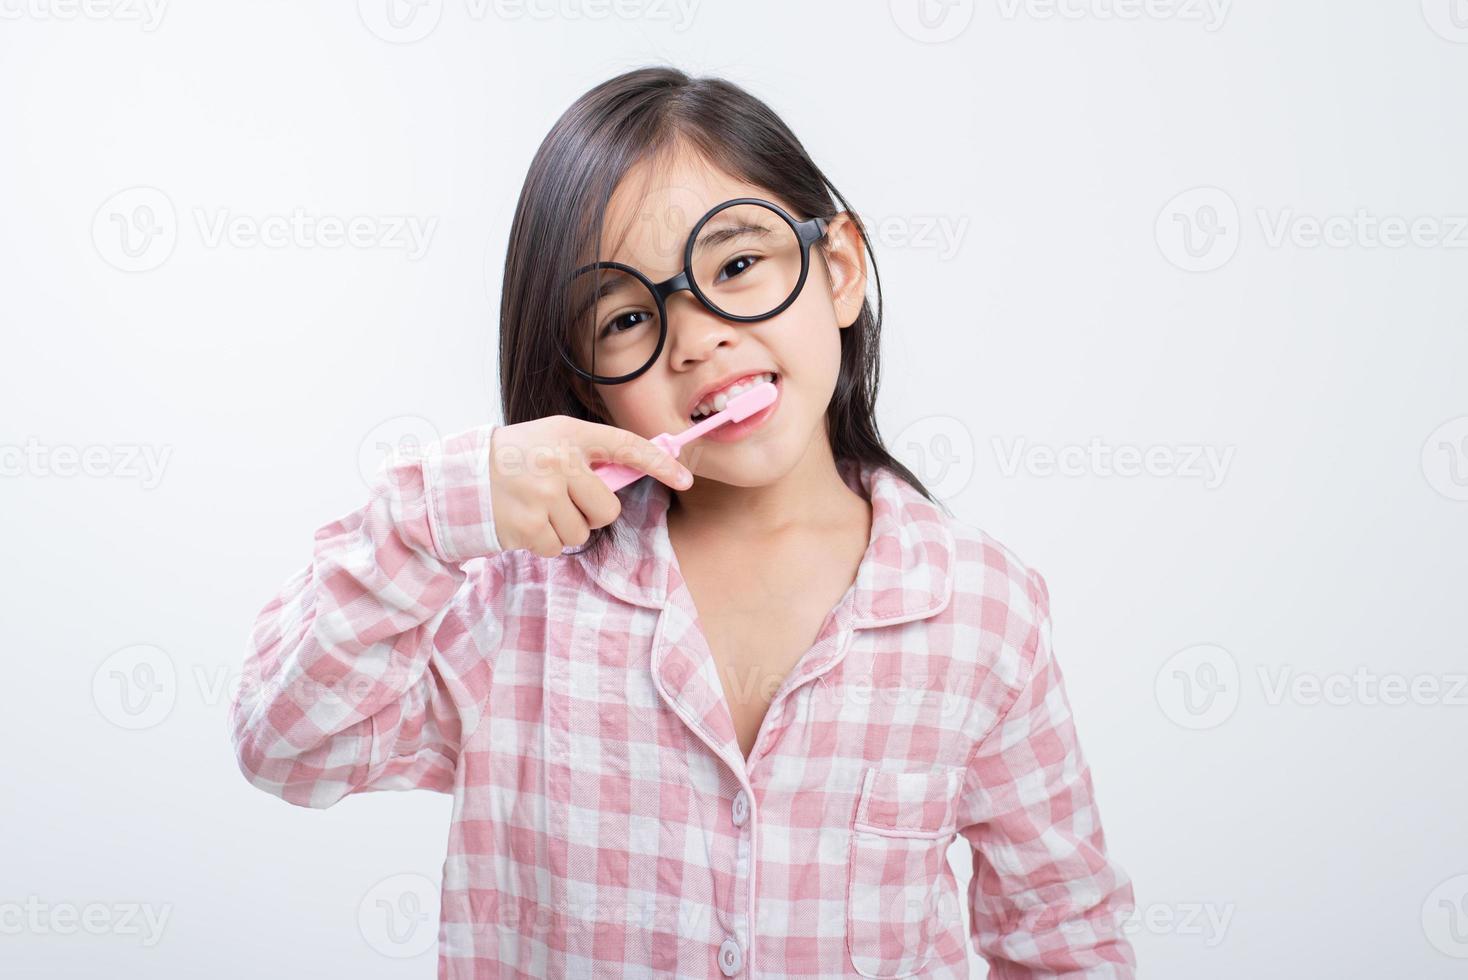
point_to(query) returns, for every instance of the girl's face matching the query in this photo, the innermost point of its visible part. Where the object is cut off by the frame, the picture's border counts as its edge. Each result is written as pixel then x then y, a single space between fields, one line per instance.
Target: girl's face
pixel 647 224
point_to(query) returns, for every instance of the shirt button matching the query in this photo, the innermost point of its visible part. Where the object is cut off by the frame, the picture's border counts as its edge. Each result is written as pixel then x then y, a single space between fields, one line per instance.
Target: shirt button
pixel 741 808
pixel 731 957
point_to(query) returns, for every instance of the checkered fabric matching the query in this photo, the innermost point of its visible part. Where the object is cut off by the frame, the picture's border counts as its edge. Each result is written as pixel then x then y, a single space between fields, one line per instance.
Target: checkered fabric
pixel 605 821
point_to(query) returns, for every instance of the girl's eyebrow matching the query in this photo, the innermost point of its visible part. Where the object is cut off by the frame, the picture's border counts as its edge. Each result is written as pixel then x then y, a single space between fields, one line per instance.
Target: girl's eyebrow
pixel 721 235
pixel 607 285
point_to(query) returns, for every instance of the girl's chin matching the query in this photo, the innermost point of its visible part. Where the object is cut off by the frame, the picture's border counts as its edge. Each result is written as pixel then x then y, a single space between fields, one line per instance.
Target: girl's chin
pixel 744 479
pixel 749 463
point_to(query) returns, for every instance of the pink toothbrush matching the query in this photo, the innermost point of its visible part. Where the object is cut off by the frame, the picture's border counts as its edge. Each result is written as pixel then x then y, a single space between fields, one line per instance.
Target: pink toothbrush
pixel 740 407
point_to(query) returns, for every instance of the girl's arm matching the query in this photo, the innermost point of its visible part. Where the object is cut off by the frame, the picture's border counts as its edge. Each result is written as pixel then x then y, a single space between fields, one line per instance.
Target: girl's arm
pixel 1045 898
pixel 371 666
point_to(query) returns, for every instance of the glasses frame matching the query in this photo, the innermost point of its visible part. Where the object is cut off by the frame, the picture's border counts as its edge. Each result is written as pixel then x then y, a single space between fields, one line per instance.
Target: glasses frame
pixel 807 232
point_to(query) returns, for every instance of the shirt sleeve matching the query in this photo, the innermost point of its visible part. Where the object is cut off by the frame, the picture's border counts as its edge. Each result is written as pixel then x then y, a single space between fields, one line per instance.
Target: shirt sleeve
pixel 369 668
pixel 1045 898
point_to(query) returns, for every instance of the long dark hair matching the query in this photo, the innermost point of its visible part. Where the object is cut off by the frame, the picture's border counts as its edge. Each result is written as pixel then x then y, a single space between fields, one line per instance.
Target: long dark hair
pixel 558 226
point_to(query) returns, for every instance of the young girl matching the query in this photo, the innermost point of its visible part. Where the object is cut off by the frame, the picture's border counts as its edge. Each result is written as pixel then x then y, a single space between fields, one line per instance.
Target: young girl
pixel 721 723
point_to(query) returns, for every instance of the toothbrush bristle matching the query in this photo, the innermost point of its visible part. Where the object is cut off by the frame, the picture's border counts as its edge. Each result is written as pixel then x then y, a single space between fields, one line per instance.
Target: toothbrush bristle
pixel 746 403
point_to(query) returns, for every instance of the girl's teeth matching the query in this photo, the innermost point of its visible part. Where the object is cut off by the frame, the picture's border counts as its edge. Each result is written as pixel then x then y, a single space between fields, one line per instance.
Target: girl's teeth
pixel 721 400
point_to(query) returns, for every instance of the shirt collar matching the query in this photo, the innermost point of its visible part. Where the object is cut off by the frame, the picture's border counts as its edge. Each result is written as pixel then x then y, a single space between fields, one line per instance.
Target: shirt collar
pixel 905 574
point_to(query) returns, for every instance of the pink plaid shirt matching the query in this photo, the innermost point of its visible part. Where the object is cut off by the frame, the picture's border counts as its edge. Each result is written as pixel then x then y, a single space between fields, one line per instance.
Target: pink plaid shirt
pixel 605 822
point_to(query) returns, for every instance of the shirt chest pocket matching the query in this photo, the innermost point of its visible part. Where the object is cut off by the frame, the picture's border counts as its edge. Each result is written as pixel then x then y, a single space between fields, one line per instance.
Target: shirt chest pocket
pixel 900 832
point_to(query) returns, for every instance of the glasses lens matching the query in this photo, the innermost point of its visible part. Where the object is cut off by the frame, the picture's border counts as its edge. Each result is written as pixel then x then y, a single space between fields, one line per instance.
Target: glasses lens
pixel 746 260
pixel 614 322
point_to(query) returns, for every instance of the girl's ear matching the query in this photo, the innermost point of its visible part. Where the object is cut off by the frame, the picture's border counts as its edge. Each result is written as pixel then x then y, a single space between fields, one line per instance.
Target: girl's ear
pixel 845 256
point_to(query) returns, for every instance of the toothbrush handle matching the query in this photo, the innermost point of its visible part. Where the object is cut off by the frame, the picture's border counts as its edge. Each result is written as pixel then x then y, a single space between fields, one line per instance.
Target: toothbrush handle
pixel 615 475
pixel 618 475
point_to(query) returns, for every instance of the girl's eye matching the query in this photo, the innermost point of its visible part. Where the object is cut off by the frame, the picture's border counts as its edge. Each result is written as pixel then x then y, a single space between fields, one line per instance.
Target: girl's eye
pixel 621 324
pixel 740 264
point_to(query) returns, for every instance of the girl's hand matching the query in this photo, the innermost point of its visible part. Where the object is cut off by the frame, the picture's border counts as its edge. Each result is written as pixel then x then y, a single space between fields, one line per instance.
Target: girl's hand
pixel 543 492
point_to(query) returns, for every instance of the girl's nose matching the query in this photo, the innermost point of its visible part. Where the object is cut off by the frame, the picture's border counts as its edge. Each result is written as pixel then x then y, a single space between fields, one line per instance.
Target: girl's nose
pixel 694 332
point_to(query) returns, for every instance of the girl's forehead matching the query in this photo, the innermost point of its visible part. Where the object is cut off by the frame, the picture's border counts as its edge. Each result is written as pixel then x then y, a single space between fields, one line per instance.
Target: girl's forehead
pixel 654 207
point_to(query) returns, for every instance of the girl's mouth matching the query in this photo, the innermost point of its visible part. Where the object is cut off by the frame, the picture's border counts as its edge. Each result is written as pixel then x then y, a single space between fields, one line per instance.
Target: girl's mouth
pixel 759 421
pixel 711 406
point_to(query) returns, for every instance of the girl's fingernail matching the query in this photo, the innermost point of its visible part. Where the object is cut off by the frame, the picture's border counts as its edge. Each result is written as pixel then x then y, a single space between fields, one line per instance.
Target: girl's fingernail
pixel 685 478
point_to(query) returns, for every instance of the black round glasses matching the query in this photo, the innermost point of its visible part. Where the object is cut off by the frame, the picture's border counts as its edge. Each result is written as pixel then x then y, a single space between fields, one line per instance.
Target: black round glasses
pixel 745 260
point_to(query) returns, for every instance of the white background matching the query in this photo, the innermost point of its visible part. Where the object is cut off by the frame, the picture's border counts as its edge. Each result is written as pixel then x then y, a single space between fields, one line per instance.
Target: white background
pixel 1047 290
